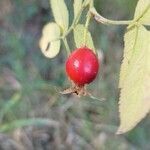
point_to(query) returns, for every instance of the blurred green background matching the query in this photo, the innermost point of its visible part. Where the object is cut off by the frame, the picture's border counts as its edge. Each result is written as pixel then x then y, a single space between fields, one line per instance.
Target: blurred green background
pixel 33 115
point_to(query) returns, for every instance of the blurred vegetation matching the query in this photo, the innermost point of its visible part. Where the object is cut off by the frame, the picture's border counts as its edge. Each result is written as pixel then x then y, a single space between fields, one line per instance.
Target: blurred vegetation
pixel 33 115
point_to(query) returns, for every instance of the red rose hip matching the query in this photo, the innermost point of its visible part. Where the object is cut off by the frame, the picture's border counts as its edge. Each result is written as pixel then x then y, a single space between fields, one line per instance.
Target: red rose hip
pixel 82 66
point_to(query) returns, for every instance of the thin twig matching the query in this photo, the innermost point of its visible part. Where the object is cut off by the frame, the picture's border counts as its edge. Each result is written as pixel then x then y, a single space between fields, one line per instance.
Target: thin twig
pixel 103 20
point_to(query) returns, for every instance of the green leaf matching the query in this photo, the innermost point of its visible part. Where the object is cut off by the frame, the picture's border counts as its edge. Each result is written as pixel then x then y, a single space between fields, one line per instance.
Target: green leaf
pixel 77 6
pixel 135 78
pixel 142 12
pixel 79 38
pixel 49 44
pixel 60 13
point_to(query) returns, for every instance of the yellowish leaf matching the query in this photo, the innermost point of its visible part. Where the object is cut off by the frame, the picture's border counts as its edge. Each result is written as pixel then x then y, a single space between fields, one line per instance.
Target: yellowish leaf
pixel 129 47
pixel 49 43
pixel 79 37
pixel 142 12
pixel 135 79
pixel 77 6
pixel 87 2
pixel 60 13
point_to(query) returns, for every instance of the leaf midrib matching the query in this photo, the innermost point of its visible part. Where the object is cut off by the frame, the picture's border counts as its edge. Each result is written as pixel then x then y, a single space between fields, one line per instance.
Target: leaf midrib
pixel 144 12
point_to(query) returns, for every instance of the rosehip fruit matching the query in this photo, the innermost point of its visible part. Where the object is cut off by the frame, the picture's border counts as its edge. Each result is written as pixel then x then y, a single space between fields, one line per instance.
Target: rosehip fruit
pixel 82 66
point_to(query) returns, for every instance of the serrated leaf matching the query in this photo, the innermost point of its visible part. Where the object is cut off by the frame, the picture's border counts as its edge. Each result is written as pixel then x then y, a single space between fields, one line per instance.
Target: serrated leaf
pixel 49 46
pixel 142 12
pixel 135 89
pixel 129 47
pixel 60 13
pixel 77 6
pixel 79 38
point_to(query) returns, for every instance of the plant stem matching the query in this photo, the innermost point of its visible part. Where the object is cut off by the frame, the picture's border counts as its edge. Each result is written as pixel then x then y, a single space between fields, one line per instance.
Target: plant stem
pixel 86 27
pixel 66 45
pixel 103 20
pixel 74 23
pixel 87 23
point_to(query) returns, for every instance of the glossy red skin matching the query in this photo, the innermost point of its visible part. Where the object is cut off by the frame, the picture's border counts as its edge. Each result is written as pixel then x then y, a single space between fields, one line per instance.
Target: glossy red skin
pixel 82 66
